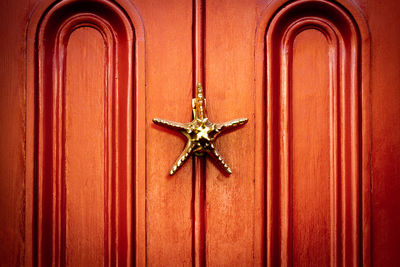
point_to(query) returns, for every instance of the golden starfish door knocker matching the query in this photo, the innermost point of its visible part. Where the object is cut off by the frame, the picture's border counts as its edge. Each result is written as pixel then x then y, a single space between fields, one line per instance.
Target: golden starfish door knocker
pixel 200 133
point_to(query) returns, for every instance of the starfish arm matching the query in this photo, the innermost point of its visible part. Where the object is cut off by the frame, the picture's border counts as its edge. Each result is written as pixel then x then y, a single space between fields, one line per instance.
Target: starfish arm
pixel 186 153
pixel 219 159
pixel 230 124
pixel 171 124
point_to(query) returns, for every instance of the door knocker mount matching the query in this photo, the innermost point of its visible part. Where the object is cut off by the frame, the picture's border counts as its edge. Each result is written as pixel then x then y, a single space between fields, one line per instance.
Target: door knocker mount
pixel 200 133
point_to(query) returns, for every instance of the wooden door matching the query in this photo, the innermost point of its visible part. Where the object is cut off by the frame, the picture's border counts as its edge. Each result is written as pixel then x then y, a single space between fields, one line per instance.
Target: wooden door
pixel 85 173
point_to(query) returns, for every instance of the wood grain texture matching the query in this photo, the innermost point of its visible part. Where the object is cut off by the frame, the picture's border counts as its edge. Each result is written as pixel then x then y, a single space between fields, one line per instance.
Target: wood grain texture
pixel 384 21
pixel 13 19
pixel 237 221
pixel 85 144
pixel 348 168
pixel 232 215
pixel 169 75
pixel 63 134
pixel 199 185
pixel 311 177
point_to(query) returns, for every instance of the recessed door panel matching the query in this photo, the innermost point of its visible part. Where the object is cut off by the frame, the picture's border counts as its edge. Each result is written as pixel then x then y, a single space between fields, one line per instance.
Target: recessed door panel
pixel 85 102
pixel 317 175
pixel 311 149
pixel 85 142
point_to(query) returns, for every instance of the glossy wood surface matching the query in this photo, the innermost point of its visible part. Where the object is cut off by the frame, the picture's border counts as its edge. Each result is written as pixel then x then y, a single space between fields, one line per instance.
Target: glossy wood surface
pixel 84 173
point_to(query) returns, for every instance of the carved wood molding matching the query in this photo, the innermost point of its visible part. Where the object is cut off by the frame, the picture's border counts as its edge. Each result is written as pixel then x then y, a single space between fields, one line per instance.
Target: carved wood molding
pixel 347 37
pixel 48 35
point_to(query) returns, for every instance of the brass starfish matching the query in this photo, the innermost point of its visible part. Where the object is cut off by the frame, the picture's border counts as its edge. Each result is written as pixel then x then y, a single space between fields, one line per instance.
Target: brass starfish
pixel 200 133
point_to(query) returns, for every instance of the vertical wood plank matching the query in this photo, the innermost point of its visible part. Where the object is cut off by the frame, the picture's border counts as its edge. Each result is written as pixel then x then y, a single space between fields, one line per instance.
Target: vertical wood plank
pixel 231 200
pixel 13 19
pixel 169 75
pixel 311 149
pixel 385 101
pixel 85 172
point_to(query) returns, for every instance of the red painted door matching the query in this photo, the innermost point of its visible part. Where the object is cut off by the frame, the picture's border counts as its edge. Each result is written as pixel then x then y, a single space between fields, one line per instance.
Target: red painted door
pixel 84 173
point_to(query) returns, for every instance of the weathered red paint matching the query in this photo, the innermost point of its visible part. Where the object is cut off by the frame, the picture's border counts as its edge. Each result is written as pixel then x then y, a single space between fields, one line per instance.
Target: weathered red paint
pixel 315 171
